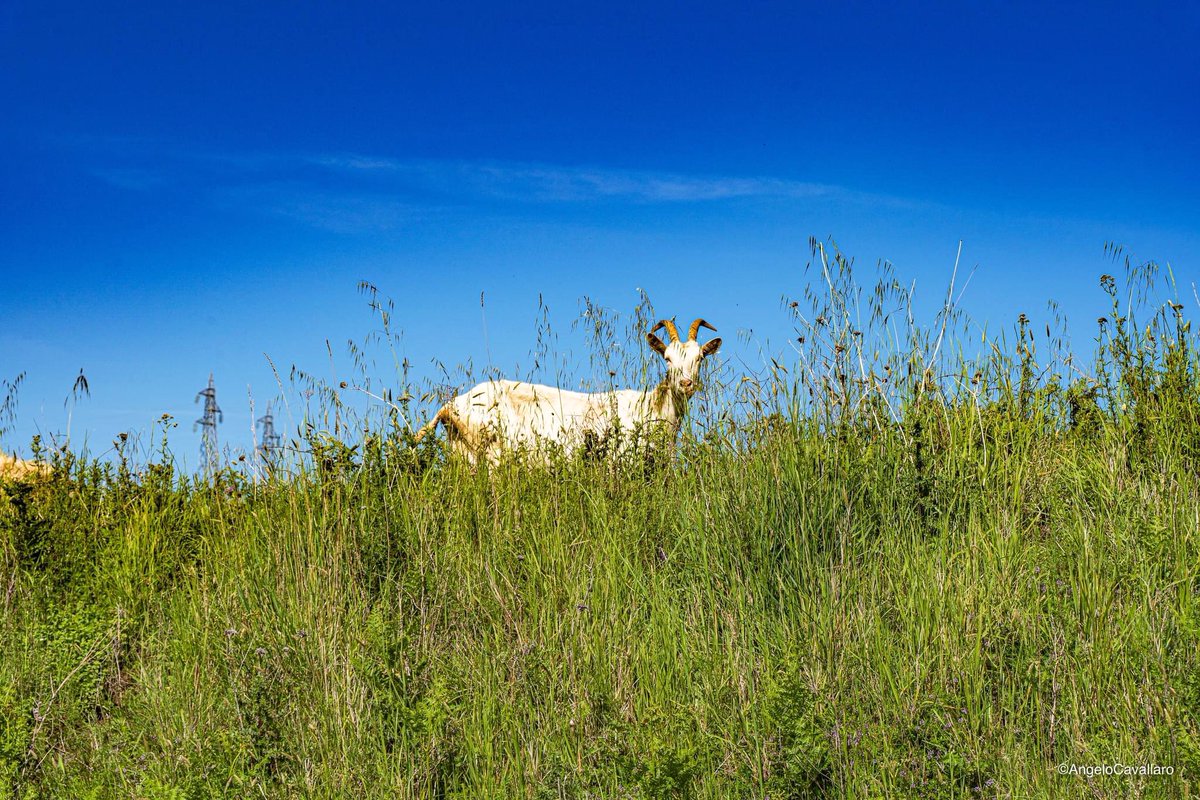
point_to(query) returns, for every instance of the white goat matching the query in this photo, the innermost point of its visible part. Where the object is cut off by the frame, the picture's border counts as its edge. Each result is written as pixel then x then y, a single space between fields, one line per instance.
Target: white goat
pixel 16 469
pixel 501 415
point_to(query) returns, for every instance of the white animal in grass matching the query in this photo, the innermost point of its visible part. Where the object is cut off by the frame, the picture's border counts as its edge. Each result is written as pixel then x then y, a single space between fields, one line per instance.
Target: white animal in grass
pixel 15 469
pixel 501 415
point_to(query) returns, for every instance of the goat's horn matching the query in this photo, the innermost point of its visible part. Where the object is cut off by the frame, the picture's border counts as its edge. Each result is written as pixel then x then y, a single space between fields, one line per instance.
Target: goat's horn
pixel 670 326
pixel 696 326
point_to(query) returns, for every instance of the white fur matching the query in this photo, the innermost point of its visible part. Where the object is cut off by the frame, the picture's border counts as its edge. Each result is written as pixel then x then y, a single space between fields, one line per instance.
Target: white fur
pixel 16 469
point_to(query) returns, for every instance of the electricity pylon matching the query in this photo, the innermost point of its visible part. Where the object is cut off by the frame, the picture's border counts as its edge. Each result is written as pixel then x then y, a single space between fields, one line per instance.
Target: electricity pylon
pixel 269 441
pixel 212 415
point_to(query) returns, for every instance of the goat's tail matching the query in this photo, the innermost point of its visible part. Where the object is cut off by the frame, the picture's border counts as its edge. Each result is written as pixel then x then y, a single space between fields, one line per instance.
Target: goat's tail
pixel 443 416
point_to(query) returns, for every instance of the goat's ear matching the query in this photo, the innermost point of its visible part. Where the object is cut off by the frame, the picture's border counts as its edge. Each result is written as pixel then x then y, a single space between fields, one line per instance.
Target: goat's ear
pixel 711 347
pixel 657 344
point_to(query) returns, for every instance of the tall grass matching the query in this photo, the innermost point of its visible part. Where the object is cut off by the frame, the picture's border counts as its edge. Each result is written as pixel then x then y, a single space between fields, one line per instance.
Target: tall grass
pixel 904 561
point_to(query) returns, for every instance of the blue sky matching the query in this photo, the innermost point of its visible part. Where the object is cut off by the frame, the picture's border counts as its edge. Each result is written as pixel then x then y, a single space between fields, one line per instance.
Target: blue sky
pixel 188 187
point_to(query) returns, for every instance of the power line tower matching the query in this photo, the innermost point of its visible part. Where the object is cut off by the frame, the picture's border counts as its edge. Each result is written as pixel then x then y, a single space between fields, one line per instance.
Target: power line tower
pixel 269 441
pixel 212 415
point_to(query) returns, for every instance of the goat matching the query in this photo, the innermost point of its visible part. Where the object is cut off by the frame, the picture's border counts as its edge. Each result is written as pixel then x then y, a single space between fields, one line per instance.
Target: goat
pixel 15 469
pixel 501 415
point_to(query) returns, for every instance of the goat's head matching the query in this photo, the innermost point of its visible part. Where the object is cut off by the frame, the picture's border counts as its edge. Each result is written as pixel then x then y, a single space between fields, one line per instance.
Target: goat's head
pixel 683 357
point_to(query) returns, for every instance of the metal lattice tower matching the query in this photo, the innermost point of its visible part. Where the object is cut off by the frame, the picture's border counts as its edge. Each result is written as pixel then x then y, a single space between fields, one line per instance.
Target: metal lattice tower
pixel 212 415
pixel 269 441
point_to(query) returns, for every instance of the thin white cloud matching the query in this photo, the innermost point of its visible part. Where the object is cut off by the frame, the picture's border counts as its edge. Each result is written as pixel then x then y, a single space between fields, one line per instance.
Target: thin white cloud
pixel 552 183
pixel 138 180
pixel 338 212
pixel 367 193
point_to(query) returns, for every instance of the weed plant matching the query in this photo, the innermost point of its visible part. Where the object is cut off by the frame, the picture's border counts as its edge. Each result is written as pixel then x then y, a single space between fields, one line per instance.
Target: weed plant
pixel 902 561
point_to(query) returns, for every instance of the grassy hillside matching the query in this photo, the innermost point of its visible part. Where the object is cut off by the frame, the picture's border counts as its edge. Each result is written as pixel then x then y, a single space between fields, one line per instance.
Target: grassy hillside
pixel 891 570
